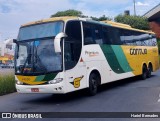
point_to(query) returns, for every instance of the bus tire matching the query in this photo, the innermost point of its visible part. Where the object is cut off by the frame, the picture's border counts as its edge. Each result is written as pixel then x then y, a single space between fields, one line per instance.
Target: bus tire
pixel 149 71
pixel 144 72
pixel 93 84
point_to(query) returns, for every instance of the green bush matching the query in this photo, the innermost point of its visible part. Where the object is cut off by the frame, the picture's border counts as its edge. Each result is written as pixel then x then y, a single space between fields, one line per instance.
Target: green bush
pixel 138 22
pixel 67 13
pixel 7 85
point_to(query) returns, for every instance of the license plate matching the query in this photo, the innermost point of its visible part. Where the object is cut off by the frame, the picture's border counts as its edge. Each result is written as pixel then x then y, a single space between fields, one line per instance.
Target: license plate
pixel 34 90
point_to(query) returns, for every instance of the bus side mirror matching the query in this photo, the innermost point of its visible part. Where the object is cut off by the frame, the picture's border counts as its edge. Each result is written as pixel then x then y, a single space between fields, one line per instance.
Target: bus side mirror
pixel 14 41
pixel 57 41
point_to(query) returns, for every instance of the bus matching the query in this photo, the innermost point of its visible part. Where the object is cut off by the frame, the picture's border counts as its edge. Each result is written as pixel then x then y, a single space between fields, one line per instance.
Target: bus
pixel 65 54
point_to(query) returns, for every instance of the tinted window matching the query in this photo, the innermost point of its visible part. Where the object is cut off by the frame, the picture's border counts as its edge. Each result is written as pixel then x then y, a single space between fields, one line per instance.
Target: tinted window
pixel 111 35
pixel 97 30
pixel 92 33
pixel 88 34
pixel 73 44
pixel 73 30
pixel 129 37
pixel 106 36
pixel 142 39
pixel 154 40
pixel 97 34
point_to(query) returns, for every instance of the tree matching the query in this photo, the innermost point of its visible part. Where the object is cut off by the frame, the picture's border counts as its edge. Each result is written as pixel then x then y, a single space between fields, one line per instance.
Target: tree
pixel 101 18
pixel 138 22
pixel 67 13
pixel 72 12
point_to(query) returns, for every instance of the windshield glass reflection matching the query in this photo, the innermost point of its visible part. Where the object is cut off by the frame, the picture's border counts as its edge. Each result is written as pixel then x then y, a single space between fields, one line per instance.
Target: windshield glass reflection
pixel 37 57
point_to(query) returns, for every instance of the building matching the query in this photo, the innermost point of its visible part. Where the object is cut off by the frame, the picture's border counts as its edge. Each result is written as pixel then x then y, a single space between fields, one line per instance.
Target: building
pixel 2 46
pixel 154 19
pixel 7 48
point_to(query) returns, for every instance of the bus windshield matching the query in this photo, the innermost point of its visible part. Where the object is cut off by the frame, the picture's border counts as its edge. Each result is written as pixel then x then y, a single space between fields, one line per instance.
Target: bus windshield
pixel 40 31
pixel 37 57
pixel 35 53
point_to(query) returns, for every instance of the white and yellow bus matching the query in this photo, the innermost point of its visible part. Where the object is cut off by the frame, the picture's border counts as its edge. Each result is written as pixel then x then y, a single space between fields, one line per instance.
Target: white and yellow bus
pixel 65 54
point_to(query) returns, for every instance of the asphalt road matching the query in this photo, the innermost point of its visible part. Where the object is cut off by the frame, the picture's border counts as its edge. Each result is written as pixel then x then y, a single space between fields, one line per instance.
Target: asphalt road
pixel 128 95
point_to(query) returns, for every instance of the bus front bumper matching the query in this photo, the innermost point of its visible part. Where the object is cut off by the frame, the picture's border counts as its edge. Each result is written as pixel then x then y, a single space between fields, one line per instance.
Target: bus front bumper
pixel 50 88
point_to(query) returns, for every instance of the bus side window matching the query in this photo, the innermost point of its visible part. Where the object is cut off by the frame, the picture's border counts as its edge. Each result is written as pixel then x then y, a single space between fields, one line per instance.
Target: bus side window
pixel 130 37
pixel 98 34
pixel 115 35
pixel 111 35
pixel 153 41
pixel 106 37
pixel 88 34
pixel 123 35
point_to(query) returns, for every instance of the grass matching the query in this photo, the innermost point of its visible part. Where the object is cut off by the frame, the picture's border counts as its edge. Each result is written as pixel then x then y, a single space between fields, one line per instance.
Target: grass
pixel 7 85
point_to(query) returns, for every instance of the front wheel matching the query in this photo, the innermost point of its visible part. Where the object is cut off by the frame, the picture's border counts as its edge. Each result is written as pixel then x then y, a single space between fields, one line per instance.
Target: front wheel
pixel 93 84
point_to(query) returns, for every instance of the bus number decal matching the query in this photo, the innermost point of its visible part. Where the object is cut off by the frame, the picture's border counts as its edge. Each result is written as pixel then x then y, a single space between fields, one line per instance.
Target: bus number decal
pixel 138 51
pixel 76 82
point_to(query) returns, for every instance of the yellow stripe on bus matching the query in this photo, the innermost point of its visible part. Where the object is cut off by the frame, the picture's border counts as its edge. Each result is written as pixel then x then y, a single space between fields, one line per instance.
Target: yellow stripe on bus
pixel 138 55
pixel 29 80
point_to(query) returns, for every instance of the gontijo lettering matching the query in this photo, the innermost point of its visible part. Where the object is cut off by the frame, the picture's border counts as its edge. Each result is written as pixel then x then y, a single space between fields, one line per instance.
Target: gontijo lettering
pixel 138 51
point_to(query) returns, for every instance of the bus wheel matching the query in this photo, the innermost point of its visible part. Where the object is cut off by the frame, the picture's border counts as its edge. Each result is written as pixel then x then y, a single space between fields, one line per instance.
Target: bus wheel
pixel 144 72
pixel 149 71
pixel 93 84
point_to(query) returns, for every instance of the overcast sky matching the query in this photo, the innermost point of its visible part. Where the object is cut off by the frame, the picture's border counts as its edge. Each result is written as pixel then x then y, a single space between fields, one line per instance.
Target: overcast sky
pixel 13 13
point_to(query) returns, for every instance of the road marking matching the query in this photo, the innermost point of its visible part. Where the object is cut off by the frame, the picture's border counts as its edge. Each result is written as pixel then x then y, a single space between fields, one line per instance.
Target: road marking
pixel 159 98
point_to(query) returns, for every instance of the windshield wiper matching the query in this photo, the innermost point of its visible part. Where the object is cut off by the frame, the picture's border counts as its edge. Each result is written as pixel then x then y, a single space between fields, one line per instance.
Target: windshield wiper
pixel 40 64
pixel 29 55
pixel 38 61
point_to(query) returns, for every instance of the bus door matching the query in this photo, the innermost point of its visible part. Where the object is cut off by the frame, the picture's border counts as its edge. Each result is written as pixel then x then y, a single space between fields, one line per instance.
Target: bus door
pixel 75 68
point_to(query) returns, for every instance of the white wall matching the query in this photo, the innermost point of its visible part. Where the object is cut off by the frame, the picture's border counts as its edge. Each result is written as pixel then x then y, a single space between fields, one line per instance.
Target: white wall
pixel 4 50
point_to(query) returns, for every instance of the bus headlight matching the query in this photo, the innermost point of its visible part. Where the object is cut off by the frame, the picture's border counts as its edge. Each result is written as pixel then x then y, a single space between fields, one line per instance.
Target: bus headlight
pixel 55 81
pixel 18 82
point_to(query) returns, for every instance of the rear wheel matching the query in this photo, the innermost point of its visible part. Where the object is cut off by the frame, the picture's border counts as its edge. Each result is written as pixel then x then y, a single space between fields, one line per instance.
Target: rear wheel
pixel 149 71
pixel 93 84
pixel 144 72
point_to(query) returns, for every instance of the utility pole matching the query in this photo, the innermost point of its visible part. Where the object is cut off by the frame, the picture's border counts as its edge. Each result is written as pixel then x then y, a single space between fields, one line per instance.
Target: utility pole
pixel 0 36
pixel 134 7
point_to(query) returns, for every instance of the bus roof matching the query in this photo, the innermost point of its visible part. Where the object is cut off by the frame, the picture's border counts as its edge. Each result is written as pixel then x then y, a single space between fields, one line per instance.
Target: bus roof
pixel 66 18
pixel 126 26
